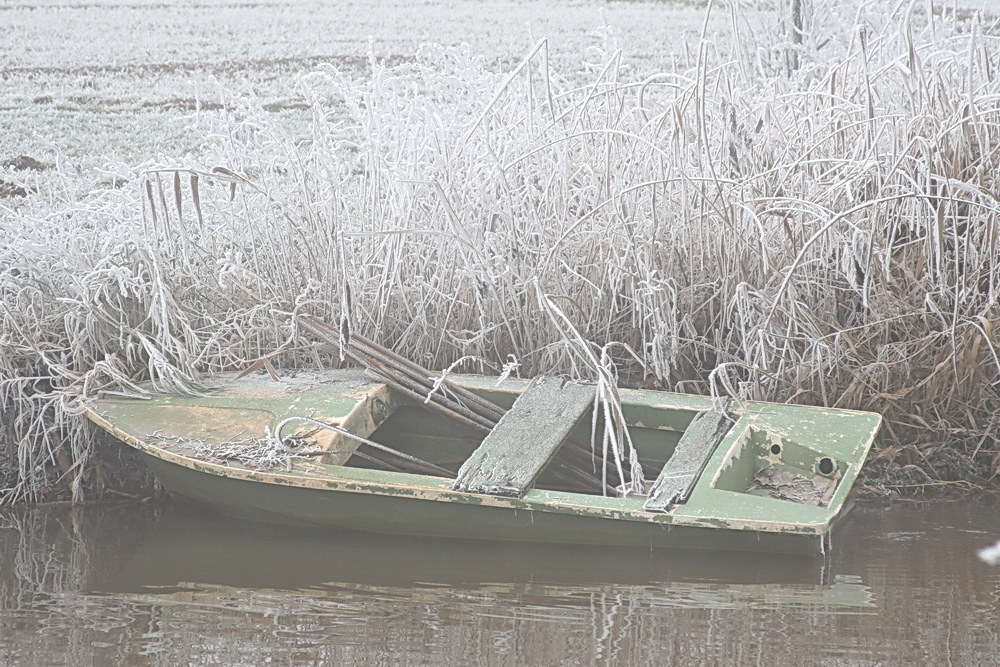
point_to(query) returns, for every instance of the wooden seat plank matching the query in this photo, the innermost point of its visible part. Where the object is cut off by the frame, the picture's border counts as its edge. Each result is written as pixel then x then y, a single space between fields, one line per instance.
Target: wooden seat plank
pixel 696 446
pixel 526 438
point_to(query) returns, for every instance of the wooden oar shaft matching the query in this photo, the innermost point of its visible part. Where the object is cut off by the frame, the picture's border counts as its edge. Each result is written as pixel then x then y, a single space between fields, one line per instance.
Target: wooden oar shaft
pixel 449 409
pixel 476 402
pixel 419 378
pixel 583 454
pixel 487 408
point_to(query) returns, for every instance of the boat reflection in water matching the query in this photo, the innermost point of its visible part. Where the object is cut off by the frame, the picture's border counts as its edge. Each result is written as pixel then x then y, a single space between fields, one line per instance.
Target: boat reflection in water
pixel 165 584
pixel 191 556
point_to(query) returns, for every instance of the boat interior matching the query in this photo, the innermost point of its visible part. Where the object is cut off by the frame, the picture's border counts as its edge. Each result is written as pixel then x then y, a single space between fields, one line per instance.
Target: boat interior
pixel 415 439
pixel 545 437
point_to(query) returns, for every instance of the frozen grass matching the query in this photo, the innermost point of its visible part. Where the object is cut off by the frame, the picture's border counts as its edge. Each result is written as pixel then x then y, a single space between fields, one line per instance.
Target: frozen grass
pixel 734 226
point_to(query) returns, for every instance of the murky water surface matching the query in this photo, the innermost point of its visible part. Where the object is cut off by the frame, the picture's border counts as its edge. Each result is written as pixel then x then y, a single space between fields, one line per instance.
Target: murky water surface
pixel 167 585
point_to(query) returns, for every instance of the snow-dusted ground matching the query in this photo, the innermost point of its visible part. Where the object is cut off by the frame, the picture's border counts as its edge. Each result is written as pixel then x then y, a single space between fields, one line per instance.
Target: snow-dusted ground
pixel 92 82
pixel 68 34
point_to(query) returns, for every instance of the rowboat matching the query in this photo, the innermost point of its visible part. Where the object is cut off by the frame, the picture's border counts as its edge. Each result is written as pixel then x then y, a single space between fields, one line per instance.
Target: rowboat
pixel 345 450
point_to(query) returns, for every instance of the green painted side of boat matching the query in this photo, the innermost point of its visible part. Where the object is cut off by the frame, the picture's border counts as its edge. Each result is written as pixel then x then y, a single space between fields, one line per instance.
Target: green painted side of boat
pixel 726 509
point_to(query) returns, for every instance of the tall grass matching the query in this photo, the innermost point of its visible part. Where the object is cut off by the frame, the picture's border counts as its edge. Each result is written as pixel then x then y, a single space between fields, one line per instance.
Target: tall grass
pixel 810 220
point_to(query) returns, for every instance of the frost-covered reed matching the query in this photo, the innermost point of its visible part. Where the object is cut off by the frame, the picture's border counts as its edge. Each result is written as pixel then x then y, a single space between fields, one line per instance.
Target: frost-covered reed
pixel 812 222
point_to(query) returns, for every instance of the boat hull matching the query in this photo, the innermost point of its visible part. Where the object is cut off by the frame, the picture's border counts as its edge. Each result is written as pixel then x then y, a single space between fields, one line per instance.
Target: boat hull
pixel 749 498
pixel 287 504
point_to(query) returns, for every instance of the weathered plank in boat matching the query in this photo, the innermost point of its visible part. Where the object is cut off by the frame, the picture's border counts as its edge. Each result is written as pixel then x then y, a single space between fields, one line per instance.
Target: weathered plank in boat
pixel 696 446
pixel 526 438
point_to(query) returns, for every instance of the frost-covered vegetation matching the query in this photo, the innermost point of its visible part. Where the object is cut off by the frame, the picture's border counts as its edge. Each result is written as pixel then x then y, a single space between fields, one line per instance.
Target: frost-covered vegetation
pixel 811 220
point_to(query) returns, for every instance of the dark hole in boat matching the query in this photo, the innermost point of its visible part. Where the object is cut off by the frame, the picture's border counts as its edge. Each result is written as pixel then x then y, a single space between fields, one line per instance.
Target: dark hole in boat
pixel 380 411
pixel 826 465
pixel 418 432
pixel 775 449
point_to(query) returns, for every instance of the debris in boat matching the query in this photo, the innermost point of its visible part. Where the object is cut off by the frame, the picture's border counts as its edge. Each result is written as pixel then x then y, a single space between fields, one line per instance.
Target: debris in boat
pixel 423 466
pixel 254 452
pixel 786 485
pixel 273 452
pixel 410 379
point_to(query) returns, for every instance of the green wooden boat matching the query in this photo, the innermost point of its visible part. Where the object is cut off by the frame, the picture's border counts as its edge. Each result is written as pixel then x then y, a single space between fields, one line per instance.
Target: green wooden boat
pixel 753 477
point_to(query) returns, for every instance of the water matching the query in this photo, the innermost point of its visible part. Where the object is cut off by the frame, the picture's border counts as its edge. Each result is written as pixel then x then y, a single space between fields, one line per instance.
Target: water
pixel 167 585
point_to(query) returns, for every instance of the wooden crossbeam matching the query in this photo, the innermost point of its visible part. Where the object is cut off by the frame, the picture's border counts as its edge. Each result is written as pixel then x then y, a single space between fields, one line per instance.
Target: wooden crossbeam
pixel 526 438
pixel 695 448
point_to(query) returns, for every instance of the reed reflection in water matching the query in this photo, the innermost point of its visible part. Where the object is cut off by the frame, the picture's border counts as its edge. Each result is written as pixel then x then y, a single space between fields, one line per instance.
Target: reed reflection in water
pixel 152 585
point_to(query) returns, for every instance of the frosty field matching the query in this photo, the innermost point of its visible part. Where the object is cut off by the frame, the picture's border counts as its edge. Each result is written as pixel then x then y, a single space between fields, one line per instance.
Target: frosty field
pixel 118 80
pixel 686 195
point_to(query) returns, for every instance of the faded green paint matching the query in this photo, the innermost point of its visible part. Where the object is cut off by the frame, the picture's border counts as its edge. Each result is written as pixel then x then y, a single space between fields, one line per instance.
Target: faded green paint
pixel 682 471
pixel 721 511
pixel 526 438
